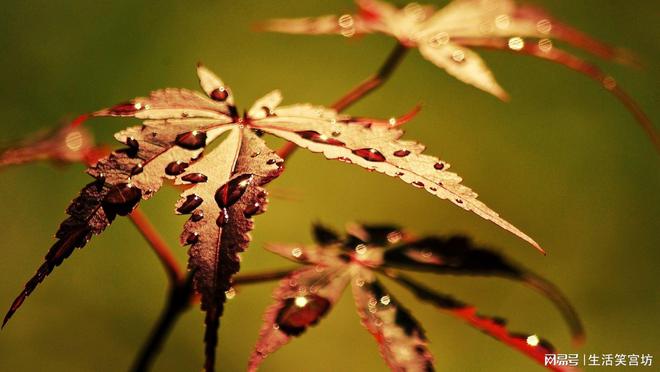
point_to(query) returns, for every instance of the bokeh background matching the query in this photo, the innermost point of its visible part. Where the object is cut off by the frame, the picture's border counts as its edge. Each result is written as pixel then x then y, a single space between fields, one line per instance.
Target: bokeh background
pixel 563 161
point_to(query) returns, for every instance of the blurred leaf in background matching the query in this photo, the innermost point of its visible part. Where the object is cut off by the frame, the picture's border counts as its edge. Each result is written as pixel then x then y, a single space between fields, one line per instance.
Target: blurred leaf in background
pixel 562 161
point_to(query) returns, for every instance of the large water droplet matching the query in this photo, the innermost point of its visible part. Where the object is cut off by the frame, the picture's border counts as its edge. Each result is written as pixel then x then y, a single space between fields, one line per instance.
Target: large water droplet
pixel 127 108
pixel 220 94
pixel 191 140
pixel 319 138
pixel 137 170
pixel 190 204
pixel 195 178
pixel 300 312
pixel 439 166
pixel 401 153
pixel 230 192
pixel 370 154
pixel 175 168
pixel 192 238
pixel 122 198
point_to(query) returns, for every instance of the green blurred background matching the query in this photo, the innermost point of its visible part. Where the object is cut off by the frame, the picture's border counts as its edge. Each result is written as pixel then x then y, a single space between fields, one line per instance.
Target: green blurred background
pixel 563 161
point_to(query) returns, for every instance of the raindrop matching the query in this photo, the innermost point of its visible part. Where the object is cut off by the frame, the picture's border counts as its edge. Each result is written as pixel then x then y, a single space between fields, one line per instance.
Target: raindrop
pixel 223 218
pixel 296 252
pixel 439 166
pixel 230 293
pixel 252 210
pixel 192 201
pixel 401 153
pixel 128 108
pixel 197 215
pixel 122 198
pixel 220 94
pixel 137 170
pixel 232 191
pixel 192 238
pixel 458 56
pixel 369 154
pixel 300 312
pixel 319 138
pixel 195 178
pixel 175 168
pixel 191 140
pixel 516 43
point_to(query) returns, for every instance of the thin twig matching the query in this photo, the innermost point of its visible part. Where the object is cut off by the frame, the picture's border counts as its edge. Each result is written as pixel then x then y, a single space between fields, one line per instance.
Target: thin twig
pixel 260 277
pixel 360 91
pixel 162 250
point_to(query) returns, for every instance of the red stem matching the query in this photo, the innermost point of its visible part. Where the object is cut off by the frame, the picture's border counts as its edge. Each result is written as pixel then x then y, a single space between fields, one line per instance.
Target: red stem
pixel 162 250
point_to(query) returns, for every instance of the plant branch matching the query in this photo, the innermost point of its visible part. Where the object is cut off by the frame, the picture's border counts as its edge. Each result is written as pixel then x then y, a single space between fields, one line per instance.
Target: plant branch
pixel 363 89
pixel 260 277
pixel 162 250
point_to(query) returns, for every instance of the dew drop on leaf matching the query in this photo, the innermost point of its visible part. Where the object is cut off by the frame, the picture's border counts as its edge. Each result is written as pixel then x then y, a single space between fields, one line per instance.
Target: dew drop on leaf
pixel 195 178
pixel 175 168
pixel 300 312
pixel 122 198
pixel 230 192
pixel 193 140
pixel 369 154
pixel 220 94
pixel 190 204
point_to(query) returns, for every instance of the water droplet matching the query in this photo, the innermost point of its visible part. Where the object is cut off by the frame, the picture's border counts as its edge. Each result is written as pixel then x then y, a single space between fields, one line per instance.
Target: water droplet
pixel 122 198
pixel 545 45
pixel 232 191
pixel 223 218
pixel 533 340
pixel 319 138
pixel 544 26
pixel 190 204
pixel 192 238
pixel 252 210
pixel 458 56
pixel 74 140
pixel 439 39
pixel 516 43
pixel 271 161
pixel 175 168
pixel 230 293
pixel 459 201
pixel 132 143
pixel 502 21
pixel 127 108
pixel 418 184
pixel 137 170
pixel 191 140
pixel 609 83
pixel 394 237
pixel 385 300
pixel 399 174
pixel 401 153
pixel 439 166
pixel 299 312
pixel 220 94
pixel 359 282
pixel 197 215
pixel 195 178
pixel 370 154
pixel 296 252
pixel 361 249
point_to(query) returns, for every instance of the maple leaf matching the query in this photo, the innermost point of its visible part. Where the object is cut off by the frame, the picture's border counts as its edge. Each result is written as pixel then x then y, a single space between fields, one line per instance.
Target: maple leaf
pixel 307 294
pixel 66 144
pixel 224 184
pixel 444 37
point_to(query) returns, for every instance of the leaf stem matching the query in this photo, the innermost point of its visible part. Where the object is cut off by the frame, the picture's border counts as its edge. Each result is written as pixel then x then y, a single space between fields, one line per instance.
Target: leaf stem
pixel 162 250
pixel 363 89
pixel 260 277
